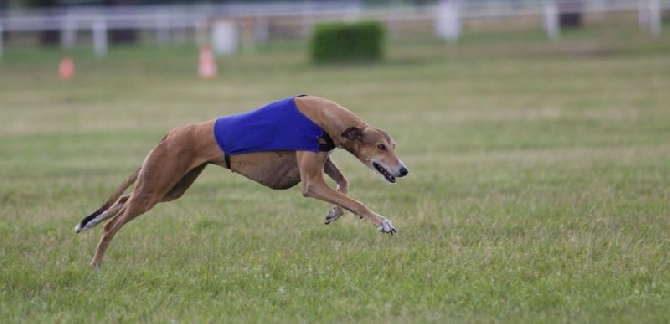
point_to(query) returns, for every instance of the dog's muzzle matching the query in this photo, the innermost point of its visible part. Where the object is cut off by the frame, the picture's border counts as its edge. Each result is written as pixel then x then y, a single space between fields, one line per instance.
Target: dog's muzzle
pixel 387 175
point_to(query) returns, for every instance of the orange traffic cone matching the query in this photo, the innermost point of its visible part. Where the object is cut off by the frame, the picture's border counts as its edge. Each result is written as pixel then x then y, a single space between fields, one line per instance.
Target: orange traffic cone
pixel 207 66
pixel 66 68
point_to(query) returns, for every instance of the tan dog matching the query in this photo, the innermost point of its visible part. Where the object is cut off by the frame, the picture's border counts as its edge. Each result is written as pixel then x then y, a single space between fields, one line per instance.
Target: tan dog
pixel 181 155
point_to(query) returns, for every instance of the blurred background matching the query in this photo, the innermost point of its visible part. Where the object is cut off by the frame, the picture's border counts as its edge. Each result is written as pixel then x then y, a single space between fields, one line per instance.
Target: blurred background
pixel 233 27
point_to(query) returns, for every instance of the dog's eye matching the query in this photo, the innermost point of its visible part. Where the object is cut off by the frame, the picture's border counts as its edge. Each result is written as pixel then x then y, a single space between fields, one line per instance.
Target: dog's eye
pixel 381 147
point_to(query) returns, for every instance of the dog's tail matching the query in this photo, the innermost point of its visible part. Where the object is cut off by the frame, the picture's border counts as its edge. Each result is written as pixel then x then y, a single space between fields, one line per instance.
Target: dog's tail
pixel 99 215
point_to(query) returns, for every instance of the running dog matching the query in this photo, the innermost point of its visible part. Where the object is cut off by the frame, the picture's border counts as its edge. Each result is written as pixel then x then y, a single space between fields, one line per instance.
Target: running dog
pixel 278 145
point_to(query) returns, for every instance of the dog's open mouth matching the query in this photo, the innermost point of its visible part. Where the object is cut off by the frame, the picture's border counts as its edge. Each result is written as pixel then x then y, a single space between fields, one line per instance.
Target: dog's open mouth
pixel 387 175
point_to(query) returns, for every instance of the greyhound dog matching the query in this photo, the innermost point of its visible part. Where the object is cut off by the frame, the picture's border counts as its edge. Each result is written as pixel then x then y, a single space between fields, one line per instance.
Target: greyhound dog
pixel 278 146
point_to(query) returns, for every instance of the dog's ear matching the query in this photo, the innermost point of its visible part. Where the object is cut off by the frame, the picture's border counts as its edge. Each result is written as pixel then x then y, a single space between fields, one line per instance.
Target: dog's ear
pixel 353 133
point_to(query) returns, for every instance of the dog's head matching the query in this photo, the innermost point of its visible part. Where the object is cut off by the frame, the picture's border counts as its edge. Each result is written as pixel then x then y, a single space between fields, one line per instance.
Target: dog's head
pixel 375 148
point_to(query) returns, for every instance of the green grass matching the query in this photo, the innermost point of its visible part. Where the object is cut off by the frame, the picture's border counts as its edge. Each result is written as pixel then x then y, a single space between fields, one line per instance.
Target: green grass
pixel 538 192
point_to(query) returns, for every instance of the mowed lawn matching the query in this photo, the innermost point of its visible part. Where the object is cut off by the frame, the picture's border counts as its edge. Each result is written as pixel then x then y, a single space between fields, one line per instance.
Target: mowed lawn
pixel 538 190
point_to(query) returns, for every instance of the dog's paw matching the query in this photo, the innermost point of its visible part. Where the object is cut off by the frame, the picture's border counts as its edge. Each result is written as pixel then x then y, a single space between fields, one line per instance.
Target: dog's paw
pixel 95 266
pixel 334 214
pixel 386 227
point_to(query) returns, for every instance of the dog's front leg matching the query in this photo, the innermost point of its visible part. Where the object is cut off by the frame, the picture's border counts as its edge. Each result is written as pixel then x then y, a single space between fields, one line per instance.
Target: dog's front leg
pixel 334 173
pixel 311 166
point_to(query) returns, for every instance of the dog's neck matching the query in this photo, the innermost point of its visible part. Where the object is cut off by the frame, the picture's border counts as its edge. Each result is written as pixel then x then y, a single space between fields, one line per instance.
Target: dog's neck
pixel 331 117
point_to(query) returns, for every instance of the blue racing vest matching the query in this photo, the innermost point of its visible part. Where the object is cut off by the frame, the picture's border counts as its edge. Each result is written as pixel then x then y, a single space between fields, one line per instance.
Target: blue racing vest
pixel 276 126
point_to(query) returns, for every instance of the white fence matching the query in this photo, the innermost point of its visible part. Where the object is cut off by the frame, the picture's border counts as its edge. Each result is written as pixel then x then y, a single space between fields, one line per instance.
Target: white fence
pixel 168 22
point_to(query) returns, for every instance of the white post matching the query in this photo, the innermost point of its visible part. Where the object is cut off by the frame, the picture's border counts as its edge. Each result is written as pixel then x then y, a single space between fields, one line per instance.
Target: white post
pixel 599 6
pixel 643 20
pixel 448 23
pixel 551 25
pixel 224 37
pixel 1 40
pixel 68 33
pixel 655 17
pixel 163 29
pixel 99 29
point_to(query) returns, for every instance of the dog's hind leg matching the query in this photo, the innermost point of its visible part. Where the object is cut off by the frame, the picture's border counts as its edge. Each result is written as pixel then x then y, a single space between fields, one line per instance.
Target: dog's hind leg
pixel 186 181
pixel 165 175
pixel 137 205
pixel 330 168
pixel 177 191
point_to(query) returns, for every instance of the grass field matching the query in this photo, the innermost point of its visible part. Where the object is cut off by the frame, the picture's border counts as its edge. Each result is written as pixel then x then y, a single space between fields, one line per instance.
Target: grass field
pixel 539 188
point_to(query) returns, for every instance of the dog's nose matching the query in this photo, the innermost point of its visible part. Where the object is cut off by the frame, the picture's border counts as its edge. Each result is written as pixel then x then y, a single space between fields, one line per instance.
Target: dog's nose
pixel 403 171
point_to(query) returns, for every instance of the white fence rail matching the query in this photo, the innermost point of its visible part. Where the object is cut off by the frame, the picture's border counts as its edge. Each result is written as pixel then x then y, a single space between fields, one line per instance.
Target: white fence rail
pixel 446 16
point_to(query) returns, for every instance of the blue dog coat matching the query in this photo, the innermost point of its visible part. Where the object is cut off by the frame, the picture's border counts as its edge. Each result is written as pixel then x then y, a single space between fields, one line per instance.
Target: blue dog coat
pixel 276 126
